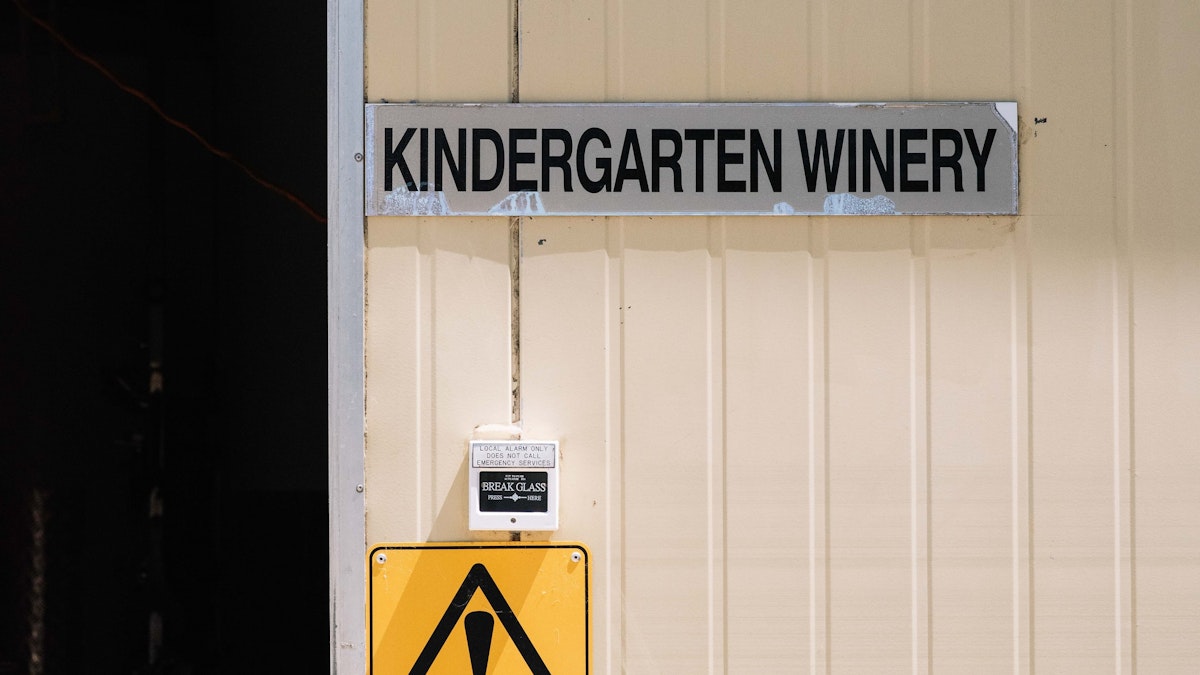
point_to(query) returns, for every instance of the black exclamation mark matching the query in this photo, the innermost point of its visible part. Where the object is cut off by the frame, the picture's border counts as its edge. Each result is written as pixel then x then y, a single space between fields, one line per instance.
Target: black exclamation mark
pixel 479 640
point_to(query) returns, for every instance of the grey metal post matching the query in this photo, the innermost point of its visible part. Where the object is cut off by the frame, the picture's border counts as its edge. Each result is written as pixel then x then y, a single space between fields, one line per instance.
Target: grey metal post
pixel 347 525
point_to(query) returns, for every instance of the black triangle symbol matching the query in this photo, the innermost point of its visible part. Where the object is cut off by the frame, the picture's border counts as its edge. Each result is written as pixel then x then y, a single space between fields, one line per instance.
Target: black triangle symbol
pixel 479 579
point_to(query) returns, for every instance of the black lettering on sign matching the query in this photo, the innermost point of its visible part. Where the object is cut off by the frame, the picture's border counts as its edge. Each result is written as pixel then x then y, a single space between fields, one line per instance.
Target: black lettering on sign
pixel 725 158
pixel 478 182
pixel 561 161
pixel 943 161
pixel 517 158
pixel 909 158
pixel 424 159
pixel 773 165
pixel 870 155
pixel 604 163
pixel 852 158
pixel 631 150
pixel 526 159
pixel 980 156
pixel 443 157
pixel 393 156
pixel 513 491
pixel 699 136
pixel 660 161
pixel 819 156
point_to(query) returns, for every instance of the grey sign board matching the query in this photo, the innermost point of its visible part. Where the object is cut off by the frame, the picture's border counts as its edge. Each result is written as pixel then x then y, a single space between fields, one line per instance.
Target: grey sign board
pixel 691 159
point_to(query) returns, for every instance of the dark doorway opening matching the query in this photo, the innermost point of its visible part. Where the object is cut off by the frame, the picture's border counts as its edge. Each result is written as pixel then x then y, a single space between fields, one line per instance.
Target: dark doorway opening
pixel 162 339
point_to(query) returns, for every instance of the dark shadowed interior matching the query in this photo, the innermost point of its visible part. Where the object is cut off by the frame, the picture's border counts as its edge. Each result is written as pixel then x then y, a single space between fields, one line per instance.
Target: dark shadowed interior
pixel 162 339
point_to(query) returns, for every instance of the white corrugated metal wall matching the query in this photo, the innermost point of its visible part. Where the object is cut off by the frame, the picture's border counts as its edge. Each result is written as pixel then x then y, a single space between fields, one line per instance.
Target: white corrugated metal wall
pixel 963 444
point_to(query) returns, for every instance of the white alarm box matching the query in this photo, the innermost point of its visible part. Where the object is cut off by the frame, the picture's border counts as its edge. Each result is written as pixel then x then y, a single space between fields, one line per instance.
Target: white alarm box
pixel 513 485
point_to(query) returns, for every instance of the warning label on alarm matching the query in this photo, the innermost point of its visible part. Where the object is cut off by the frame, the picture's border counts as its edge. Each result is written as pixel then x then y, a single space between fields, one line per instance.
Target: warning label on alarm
pixel 512 454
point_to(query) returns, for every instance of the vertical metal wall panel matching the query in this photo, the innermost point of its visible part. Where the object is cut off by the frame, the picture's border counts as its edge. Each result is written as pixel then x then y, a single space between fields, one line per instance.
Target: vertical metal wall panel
pixel 868 50
pixel 565 46
pixel 973 488
pixel 398 416
pixel 1158 198
pixel 572 327
pixel 977 534
pixel 961 40
pixel 653 67
pixel 438 51
pixel 671 497
pixel 827 444
pixel 570 294
pixel 438 294
pixel 869 490
pixel 1075 512
pixel 438 354
pixel 750 72
pixel 769 523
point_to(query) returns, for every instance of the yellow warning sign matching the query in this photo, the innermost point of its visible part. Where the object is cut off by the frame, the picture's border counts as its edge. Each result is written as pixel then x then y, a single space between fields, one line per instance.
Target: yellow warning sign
pixel 478 608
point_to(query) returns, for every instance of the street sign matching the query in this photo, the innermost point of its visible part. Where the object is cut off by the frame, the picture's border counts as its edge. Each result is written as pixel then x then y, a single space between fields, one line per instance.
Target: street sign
pixel 458 608
pixel 591 159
